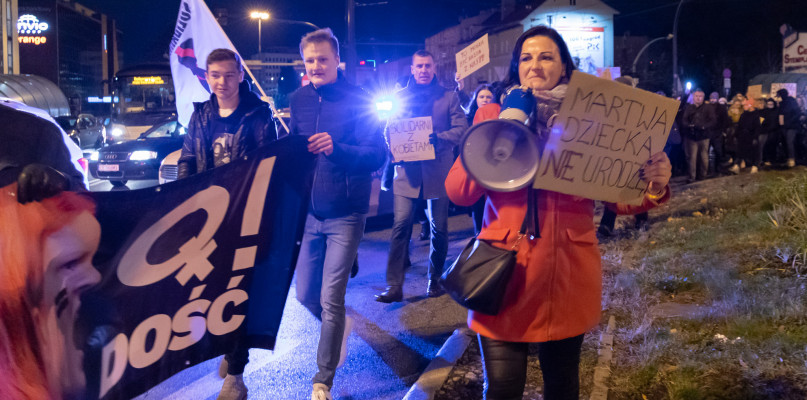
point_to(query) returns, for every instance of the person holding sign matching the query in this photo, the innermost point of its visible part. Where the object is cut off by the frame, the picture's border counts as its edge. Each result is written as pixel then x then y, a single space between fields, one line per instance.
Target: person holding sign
pixel 345 134
pixel 432 112
pixel 554 294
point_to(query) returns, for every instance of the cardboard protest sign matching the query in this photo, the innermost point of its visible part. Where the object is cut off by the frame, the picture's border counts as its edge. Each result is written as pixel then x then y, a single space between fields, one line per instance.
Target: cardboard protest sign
pixel 604 133
pixel 754 92
pixel 790 87
pixel 473 57
pixel 409 139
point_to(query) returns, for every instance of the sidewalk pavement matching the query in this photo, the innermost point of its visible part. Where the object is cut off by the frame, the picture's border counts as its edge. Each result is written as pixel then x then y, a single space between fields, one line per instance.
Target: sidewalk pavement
pixel 390 347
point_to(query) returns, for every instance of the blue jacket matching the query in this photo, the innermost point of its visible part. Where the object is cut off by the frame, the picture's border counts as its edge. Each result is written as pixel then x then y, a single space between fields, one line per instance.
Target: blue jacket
pixel 342 180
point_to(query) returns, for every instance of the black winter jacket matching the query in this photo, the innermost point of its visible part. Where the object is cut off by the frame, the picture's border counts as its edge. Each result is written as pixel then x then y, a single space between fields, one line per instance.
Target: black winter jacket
pixel 256 129
pixel 342 180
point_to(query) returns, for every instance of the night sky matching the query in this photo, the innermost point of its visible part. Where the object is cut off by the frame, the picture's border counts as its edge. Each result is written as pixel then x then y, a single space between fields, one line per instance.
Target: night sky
pixel 713 34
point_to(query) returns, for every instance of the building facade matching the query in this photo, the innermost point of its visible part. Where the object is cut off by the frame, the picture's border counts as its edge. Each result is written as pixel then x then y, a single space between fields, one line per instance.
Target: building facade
pixel 10 59
pixel 586 26
pixel 71 45
pixel 268 67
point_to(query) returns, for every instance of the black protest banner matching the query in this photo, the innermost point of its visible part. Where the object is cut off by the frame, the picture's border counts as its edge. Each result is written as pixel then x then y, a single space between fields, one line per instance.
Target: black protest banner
pixel 193 267
pixel 604 133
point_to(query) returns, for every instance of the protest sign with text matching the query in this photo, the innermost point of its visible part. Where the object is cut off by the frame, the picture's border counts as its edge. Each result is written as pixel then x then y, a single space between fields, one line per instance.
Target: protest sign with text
pixel 474 56
pixel 602 136
pixel 409 139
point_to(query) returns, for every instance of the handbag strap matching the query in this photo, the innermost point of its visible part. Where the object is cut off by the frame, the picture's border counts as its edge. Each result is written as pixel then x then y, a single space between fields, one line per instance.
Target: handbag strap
pixel 531 225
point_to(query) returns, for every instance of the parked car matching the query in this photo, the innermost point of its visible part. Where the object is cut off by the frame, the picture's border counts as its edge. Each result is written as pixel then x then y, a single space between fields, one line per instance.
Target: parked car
pixel 76 156
pixel 137 159
pixel 86 131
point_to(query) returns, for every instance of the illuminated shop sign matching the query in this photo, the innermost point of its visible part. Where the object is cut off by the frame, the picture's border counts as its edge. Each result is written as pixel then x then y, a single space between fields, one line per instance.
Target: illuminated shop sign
pixel 30 29
pixel 147 80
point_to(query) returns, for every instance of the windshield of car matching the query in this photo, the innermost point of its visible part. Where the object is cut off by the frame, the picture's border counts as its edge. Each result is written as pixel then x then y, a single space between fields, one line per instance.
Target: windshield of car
pixel 162 131
pixel 66 123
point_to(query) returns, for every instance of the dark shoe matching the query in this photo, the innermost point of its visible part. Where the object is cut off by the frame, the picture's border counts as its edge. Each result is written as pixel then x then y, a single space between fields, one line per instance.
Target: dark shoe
pixel 393 294
pixel 425 231
pixel 354 270
pixel 435 289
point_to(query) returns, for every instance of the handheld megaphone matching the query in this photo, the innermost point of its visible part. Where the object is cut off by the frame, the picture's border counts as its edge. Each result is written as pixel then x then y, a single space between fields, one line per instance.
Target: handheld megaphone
pixel 502 155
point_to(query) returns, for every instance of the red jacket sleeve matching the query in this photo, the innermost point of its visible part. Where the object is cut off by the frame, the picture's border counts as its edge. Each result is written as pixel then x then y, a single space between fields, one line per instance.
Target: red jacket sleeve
pixel 461 188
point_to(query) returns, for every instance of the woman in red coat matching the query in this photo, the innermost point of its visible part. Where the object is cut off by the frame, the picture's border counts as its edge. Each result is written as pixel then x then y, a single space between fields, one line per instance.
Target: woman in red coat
pixel 554 294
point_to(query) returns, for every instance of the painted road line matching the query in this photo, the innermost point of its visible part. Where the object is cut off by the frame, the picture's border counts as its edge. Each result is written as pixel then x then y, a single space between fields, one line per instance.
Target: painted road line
pixel 438 369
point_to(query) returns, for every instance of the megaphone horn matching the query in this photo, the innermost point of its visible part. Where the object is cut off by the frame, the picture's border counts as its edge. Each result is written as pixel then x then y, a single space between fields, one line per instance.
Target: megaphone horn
pixel 502 155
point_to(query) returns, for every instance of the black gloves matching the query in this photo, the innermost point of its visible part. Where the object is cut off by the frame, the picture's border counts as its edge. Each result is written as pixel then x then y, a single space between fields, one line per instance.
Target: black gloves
pixel 38 181
pixel 433 139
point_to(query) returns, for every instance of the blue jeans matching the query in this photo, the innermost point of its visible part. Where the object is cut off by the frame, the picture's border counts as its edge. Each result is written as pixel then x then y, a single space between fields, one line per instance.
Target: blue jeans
pixel 402 232
pixel 326 255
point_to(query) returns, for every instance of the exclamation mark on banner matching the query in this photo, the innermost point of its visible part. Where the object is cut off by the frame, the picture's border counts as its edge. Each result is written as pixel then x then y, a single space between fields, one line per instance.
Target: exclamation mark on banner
pixel 253 213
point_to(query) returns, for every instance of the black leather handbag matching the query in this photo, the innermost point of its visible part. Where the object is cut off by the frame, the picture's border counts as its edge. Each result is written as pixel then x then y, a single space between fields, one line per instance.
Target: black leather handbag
pixel 478 278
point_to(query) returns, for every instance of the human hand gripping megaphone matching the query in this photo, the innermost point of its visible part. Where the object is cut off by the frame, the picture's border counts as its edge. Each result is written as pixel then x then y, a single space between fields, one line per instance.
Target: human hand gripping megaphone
pixel 502 155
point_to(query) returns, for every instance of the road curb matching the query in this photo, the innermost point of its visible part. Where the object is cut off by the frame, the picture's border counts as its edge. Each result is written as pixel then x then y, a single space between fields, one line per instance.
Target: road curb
pixel 440 367
pixel 603 369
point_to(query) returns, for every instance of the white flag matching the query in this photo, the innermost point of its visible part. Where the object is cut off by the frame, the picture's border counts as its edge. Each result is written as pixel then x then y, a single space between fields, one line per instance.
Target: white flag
pixel 196 34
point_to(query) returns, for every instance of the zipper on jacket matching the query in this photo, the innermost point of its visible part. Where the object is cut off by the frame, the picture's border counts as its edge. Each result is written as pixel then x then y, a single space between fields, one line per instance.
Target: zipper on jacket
pixel 316 169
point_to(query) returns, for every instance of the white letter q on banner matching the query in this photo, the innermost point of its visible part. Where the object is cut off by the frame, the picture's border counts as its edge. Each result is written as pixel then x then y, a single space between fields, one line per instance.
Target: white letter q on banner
pixel 135 270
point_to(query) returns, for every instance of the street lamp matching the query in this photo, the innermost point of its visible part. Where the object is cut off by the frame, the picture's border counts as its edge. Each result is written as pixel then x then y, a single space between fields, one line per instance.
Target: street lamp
pixel 259 15
pixel 635 60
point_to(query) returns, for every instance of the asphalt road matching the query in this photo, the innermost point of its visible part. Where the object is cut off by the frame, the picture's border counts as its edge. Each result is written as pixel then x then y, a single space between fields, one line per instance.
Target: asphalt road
pixel 102 185
pixel 390 346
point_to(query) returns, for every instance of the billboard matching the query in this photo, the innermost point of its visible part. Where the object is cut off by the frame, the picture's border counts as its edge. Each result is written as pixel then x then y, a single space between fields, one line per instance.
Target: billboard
pixel 794 51
pixel 587 46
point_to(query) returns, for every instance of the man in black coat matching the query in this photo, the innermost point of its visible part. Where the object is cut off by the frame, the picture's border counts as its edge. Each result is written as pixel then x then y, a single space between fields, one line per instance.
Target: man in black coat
pixel 232 123
pixel 345 134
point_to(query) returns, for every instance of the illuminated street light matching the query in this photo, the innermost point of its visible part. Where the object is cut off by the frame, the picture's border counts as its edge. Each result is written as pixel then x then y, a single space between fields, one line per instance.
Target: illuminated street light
pixel 259 15
pixel 635 60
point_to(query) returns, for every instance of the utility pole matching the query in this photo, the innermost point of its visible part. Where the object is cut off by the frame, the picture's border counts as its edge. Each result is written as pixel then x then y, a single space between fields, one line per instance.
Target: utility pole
pixel 676 79
pixel 350 46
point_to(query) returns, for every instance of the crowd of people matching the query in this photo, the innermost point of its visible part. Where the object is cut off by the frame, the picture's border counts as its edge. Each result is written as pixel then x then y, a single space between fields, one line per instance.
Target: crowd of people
pixel 554 295
pixel 742 134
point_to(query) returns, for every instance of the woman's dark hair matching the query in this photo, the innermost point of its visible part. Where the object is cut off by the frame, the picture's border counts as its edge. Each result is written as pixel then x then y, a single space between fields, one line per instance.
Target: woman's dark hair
pixel 540 30
pixel 472 106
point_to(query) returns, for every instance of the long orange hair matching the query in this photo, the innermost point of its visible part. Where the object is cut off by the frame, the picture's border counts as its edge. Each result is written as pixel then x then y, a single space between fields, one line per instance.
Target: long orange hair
pixel 29 360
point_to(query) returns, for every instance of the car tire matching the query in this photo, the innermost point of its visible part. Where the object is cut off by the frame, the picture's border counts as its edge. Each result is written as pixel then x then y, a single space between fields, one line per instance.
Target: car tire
pixel 118 183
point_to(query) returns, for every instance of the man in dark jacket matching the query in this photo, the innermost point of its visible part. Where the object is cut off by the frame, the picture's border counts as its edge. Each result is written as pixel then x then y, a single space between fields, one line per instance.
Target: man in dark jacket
pixel 232 123
pixel 344 132
pixel 424 97
pixel 698 121
pixel 789 119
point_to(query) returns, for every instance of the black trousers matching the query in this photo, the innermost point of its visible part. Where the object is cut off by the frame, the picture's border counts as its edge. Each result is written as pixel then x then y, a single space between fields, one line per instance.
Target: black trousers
pixel 505 366
pixel 237 359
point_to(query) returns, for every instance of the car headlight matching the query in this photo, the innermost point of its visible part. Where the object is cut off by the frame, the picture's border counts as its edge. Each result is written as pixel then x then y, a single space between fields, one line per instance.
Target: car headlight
pixel 117 131
pixel 141 155
pixel 94 156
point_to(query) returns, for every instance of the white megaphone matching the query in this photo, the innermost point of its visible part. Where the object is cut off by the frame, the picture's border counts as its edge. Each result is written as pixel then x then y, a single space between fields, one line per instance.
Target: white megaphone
pixel 502 155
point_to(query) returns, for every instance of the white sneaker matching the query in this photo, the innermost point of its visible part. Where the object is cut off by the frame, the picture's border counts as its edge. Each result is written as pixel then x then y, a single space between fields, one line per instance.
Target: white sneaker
pixel 321 392
pixel 343 351
pixel 233 388
pixel 754 169
pixel 791 163
pixel 735 169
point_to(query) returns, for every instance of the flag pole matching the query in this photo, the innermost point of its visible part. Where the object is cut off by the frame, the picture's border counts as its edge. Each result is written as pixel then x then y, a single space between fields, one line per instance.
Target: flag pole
pixel 263 94
pixel 202 4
